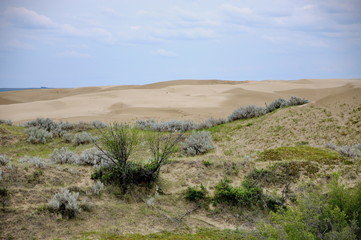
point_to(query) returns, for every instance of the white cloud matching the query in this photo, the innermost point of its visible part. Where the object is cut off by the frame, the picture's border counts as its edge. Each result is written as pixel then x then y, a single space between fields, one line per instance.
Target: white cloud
pixel 25 18
pixel 74 54
pixel 165 53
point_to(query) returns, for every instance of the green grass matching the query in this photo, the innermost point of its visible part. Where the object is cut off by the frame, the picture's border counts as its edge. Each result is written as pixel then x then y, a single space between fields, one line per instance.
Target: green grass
pixel 207 234
pixel 306 153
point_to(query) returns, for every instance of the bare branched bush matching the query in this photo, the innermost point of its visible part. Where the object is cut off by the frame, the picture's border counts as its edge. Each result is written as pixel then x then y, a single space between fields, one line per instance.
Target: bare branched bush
pixel 198 143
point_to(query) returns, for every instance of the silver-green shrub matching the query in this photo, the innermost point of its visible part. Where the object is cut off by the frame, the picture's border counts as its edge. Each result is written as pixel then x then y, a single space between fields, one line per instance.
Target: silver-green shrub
pixel 97 187
pixel 348 151
pixel 330 146
pixel 63 155
pixel 83 138
pixel 57 129
pixel 276 104
pixel 36 161
pixel 7 122
pixel 295 101
pixel 246 112
pixel 65 203
pixel 210 122
pixel 38 135
pixel 99 124
pixel 4 160
pixel 198 143
pixel 91 157
pixel 68 137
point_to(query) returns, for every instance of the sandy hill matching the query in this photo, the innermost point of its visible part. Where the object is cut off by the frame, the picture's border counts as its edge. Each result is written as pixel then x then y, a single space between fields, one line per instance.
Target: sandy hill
pixel 180 99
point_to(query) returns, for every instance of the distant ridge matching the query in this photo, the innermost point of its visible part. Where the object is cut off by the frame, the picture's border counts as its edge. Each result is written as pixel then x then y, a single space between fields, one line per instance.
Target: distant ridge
pixel 19 89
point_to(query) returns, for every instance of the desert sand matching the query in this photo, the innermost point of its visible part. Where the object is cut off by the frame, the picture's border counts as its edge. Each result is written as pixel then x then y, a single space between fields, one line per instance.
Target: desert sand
pixel 181 99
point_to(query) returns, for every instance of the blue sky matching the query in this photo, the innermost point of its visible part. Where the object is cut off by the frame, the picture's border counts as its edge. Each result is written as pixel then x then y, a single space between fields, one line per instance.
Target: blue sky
pixel 78 43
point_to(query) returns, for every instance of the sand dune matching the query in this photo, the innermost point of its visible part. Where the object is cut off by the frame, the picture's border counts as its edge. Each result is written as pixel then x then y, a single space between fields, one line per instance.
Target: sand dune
pixel 180 99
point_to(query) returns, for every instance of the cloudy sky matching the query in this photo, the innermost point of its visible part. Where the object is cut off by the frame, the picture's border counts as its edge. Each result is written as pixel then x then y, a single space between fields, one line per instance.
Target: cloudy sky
pixel 71 43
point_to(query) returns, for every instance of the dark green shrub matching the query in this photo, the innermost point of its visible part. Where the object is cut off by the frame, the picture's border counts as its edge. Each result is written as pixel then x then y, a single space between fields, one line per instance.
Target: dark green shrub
pixel 118 143
pixel 195 194
pixel 335 215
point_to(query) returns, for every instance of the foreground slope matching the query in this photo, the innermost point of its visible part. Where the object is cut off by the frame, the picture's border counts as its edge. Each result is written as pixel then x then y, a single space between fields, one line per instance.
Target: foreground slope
pixel 288 143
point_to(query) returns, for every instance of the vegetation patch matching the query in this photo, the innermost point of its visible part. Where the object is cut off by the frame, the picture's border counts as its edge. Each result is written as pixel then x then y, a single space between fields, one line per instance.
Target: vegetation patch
pixel 306 153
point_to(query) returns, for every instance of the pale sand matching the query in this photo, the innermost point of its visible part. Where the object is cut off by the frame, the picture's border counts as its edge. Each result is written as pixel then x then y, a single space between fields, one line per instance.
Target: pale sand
pixel 182 99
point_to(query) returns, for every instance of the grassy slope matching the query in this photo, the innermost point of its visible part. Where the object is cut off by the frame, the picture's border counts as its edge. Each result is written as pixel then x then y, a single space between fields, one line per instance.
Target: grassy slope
pixel 241 147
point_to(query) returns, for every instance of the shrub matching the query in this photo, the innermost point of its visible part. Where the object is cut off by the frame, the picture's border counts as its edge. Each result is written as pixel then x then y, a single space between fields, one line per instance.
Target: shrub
pixel 7 122
pixel 67 137
pixel 295 101
pixel 169 126
pixel 1 174
pixel 246 112
pixel 196 194
pixel 4 160
pixel 57 129
pixel 99 124
pixel 65 203
pixel 198 143
pixel 348 151
pixel 276 104
pixel 63 155
pixel 118 143
pixel 97 187
pixel 83 138
pixel 91 157
pixel 210 122
pixel 335 215
pixel 36 161
pixel 249 194
pixel 38 135
pixel 331 146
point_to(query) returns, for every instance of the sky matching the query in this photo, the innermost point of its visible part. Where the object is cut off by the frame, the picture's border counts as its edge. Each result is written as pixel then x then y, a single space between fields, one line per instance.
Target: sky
pixel 80 43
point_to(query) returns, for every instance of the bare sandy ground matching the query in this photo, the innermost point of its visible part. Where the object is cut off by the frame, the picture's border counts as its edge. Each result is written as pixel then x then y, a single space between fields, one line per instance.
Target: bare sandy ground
pixel 181 99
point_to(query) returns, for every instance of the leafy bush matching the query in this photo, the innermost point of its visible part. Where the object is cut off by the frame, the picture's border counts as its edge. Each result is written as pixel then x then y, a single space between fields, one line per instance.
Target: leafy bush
pixel 7 122
pixel 198 143
pixel 83 138
pixel 249 194
pixel 335 215
pixel 195 194
pixel 246 112
pixel 63 155
pixel 36 161
pixel 118 143
pixel 348 151
pixel 97 187
pixel 65 203
pixel 4 160
pixel 38 135
pixel 276 104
